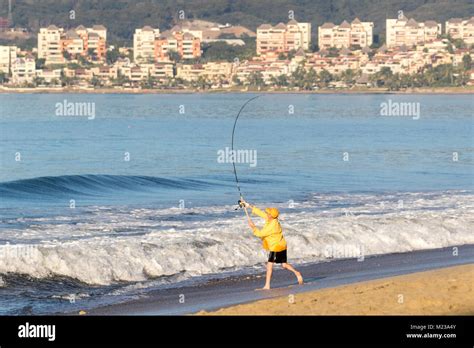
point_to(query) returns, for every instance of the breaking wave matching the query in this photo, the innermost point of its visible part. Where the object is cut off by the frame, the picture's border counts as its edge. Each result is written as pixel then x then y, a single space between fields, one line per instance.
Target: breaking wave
pixel 97 251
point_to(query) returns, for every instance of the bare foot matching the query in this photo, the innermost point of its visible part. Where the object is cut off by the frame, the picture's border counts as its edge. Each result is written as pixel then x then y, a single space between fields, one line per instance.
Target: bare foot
pixel 300 278
pixel 264 288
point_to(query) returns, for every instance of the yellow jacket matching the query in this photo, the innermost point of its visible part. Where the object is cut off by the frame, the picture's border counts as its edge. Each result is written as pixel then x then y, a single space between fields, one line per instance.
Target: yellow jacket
pixel 271 233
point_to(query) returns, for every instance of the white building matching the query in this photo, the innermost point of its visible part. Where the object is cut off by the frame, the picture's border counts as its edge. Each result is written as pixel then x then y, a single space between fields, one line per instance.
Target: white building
pixel 144 44
pixel 458 28
pixel 49 75
pixel 23 70
pixel 409 32
pixel 7 57
pixel 162 71
pixel 84 41
pixel 346 34
pixel 283 37
pixel 49 45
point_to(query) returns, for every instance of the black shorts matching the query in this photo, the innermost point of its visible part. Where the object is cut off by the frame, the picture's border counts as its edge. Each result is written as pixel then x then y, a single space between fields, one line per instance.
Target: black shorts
pixel 277 256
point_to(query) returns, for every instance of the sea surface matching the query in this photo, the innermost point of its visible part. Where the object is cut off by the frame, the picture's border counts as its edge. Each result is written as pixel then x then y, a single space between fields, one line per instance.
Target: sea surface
pixel 104 207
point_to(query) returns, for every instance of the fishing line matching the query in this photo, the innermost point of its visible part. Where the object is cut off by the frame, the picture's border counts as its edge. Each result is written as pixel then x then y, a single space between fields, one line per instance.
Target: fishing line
pixel 232 147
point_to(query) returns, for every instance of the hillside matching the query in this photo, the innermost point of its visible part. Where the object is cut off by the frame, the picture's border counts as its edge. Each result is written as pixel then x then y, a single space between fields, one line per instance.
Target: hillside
pixel 121 17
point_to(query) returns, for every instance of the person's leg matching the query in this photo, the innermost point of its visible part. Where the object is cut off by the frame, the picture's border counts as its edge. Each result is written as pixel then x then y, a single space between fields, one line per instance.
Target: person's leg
pixel 297 274
pixel 268 276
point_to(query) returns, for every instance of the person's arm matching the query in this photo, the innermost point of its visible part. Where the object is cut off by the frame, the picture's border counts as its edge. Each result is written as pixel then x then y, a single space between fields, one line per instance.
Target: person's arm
pixel 265 231
pixel 255 210
pixel 258 212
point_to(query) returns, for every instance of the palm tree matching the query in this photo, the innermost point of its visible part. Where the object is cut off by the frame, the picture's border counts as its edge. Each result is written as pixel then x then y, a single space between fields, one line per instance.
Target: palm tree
pixel 467 62
pixel 202 82
pixel 348 76
pixel 298 76
pixel 95 82
pixel 280 80
pixel 325 77
pixel 310 79
pixel 382 77
pixel 3 77
pixel 38 81
pixel 256 79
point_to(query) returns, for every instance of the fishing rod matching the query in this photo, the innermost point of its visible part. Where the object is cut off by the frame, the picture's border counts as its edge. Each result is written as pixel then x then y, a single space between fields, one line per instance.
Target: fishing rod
pixel 240 205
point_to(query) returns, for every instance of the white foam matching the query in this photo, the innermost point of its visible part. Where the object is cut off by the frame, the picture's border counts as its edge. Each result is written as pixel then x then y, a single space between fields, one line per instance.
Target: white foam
pixel 377 225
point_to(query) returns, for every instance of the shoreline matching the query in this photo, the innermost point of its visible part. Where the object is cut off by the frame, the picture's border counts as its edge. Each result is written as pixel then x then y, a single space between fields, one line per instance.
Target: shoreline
pixel 446 291
pixel 215 294
pixel 433 90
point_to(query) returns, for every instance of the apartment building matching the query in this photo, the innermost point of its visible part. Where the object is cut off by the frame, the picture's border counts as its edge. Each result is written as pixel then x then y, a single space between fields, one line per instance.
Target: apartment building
pixel 7 57
pixel 268 70
pixel 144 44
pixel 162 71
pixel 49 45
pixel 72 43
pixel 54 41
pixel 23 70
pixel 458 28
pixel 95 41
pixel 48 75
pixel 159 71
pixel 138 73
pixel 409 32
pixel 185 44
pixel 283 37
pixel 189 72
pixel 149 45
pixel 105 74
pixel 215 71
pixel 346 34
pixel 84 74
pixel 211 71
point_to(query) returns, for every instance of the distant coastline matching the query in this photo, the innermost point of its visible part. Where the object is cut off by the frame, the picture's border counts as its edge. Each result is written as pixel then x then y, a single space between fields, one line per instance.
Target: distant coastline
pixel 428 90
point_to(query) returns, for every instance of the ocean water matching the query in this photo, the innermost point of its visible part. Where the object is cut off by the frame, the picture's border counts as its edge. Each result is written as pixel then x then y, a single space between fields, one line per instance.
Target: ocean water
pixel 105 208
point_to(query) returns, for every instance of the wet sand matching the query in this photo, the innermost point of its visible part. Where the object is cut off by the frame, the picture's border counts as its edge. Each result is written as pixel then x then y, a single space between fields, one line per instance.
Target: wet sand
pixel 216 293
pixel 447 291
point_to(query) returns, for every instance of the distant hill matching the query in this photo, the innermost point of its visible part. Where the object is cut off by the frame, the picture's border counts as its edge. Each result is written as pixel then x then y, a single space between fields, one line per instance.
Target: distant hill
pixel 121 17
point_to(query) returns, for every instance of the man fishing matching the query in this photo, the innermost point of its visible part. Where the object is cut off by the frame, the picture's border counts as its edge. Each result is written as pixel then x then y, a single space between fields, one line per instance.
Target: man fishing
pixel 272 240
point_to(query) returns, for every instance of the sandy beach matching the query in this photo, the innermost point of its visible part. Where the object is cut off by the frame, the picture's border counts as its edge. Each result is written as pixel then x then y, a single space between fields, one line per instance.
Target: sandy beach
pixel 430 281
pixel 447 291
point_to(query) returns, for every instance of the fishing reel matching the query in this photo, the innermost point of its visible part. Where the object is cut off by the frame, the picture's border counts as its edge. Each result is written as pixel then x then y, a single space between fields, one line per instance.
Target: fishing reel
pixel 240 204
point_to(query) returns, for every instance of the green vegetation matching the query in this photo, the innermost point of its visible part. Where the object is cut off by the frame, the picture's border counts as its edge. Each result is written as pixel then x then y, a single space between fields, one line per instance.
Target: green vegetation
pixel 40 63
pixel 221 51
pixel 255 79
pixel 304 79
pixel 3 77
pixel 467 62
pixel 440 76
pixel 112 55
pixel 121 17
